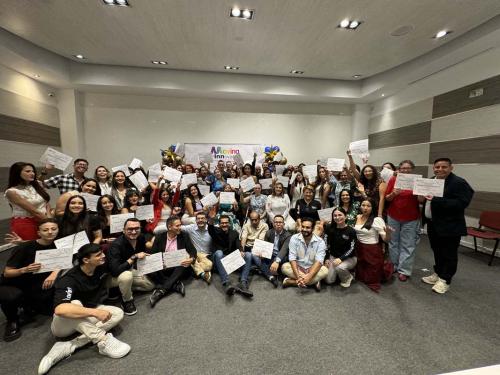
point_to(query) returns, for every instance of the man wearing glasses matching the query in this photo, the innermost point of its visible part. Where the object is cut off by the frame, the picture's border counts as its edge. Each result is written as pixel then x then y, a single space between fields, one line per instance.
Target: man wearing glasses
pixel 122 259
pixel 66 182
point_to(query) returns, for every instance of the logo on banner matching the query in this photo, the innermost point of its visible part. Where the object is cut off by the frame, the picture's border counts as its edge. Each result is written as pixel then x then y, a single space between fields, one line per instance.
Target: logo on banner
pixel 221 153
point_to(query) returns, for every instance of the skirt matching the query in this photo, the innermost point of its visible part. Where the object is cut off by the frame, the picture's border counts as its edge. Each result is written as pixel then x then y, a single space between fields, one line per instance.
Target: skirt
pixel 370 267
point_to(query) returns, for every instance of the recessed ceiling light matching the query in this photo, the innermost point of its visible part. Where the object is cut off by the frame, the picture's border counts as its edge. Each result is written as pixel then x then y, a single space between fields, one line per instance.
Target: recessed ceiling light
pixel 230 67
pixel 442 33
pixel 344 23
pixel 357 76
pixel 349 24
pixel 383 94
pixel 297 71
pixel 122 3
pixel 353 24
pixel 36 75
pixel 245 14
pixel 80 57
pixel 159 62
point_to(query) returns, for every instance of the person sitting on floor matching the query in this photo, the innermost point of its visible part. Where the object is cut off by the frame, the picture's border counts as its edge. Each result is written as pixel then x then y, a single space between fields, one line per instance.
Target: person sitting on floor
pixel 253 229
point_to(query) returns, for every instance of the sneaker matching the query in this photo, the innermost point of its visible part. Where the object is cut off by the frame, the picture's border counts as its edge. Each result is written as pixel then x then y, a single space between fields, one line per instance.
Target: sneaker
pixel 243 289
pixel 129 307
pixel 287 282
pixel 347 283
pixel 317 286
pixel 441 286
pixel 431 279
pixel 113 347
pixel 207 277
pixel 274 281
pixel 228 288
pixel 402 277
pixel 180 288
pixel 60 350
pixel 157 295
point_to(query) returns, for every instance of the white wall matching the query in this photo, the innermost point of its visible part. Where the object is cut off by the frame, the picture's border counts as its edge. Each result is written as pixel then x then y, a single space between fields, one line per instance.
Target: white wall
pixel 119 127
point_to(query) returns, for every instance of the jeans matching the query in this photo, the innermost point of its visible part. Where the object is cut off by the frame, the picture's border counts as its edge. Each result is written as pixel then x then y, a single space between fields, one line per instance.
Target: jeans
pixel 218 255
pixel 403 244
pixel 263 264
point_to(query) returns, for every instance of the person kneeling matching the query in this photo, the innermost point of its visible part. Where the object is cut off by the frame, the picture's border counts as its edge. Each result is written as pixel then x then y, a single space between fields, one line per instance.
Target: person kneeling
pixel 78 308
pixel 306 254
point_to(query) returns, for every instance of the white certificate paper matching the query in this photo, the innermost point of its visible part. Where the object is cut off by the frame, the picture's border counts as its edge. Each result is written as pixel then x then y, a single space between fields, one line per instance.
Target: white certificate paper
pixel 54 259
pixel 139 180
pixel 135 163
pixel 405 181
pixel 359 147
pixel 207 158
pixel 232 261
pixel 117 221
pixel 150 263
pixel 326 214
pixel 174 258
pixel 284 180
pixel 123 168
pixel 335 165
pixel 209 200
pixel 73 241
pixel 226 197
pixel 90 201
pixel 204 190
pixel 386 174
pixel 263 249
pixel 247 184
pixel 234 182
pixel 279 169
pixel 310 171
pixel 428 186
pixel 188 179
pixel 172 174
pixel 145 212
pixel 56 158
pixel 266 183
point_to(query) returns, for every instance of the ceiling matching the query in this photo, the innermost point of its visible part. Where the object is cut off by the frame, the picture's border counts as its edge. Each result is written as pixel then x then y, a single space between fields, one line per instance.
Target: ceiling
pixel 284 35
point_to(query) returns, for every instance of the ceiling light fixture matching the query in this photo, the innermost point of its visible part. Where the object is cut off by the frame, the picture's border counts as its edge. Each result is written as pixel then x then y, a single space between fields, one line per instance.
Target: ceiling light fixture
pixel 297 71
pixel 159 62
pixel 349 24
pixel 230 67
pixel 36 75
pixel 383 95
pixel 80 57
pixel 442 33
pixel 245 14
pixel 121 3
pixel 344 23
pixel 357 76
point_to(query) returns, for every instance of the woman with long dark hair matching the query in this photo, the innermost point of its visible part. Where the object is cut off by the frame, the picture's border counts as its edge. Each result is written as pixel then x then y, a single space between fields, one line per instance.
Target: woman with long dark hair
pixel 120 184
pixel 76 218
pixel 28 200
pixel 164 201
pixel 350 206
pixel 106 206
pixel 192 205
pixel 88 185
pixel 372 186
pixel 322 187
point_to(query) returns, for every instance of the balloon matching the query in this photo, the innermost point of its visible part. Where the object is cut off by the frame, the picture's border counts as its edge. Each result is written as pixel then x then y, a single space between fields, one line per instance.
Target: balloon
pixel 276 148
pixel 284 161
pixel 267 149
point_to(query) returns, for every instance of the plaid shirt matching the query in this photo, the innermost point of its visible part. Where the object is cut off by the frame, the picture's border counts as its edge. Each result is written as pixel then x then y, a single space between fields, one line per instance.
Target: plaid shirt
pixel 64 182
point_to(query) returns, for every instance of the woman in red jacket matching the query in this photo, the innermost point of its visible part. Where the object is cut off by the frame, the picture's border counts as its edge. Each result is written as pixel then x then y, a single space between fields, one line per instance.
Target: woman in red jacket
pixel 164 202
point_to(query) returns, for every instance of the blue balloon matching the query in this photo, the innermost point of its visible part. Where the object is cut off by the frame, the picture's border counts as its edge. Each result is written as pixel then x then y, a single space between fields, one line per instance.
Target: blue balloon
pixel 267 149
pixel 276 148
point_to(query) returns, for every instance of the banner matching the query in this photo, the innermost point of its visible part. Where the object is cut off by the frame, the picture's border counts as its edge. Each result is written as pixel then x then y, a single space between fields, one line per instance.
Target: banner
pixel 220 151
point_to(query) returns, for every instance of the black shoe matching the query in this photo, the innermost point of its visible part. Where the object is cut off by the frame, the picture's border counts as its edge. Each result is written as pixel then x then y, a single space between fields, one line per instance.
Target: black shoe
pixel 180 288
pixel 12 331
pixel 129 307
pixel 243 289
pixel 229 289
pixel 157 295
pixel 274 281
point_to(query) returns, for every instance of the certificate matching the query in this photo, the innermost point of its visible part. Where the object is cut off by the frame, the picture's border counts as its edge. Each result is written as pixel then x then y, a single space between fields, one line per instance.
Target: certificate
pixel 209 200
pixel 73 241
pixel 226 197
pixel 139 180
pixel 266 183
pixel 123 168
pixel 310 171
pixel 90 201
pixel 145 212
pixel 117 222
pixel 188 179
pixel 247 184
pixel 150 263
pixel 326 214
pixel 232 261
pixel 56 158
pixel 386 174
pixel 234 182
pixel 405 181
pixel 204 190
pixel 359 147
pixel 293 177
pixel 323 162
pixel 428 186
pixel 135 163
pixel 280 169
pixel 335 165
pixel 238 159
pixel 283 180
pixel 206 157
pixel 174 258
pixel 172 174
pixel 54 259
pixel 154 172
pixel 263 249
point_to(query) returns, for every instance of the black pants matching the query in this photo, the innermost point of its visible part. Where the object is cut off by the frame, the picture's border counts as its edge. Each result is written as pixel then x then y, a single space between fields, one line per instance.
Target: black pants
pixel 33 300
pixel 166 279
pixel 445 250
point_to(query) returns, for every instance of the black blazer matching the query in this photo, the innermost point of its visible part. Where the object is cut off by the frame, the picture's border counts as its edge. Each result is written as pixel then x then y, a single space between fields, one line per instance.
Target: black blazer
pixel 183 242
pixel 282 243
pixel 448 212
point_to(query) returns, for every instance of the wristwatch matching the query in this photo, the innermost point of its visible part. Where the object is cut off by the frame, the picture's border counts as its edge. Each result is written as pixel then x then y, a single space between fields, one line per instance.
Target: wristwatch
pixel 133 257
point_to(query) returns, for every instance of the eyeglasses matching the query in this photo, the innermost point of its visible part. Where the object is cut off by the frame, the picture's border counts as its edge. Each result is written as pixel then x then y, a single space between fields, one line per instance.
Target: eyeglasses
pixel 133 229
pixel 81 165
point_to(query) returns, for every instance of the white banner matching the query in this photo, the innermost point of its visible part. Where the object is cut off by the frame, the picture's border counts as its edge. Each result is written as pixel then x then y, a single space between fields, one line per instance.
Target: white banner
pixel 220 151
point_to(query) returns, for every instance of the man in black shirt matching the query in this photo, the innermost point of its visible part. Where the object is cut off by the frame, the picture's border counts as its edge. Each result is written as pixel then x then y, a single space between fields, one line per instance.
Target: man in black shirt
pixel 21 287
pixel 122 258
pixel 77 302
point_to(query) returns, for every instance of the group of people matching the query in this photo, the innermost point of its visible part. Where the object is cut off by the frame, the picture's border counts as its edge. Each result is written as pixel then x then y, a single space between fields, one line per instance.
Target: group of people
pixel 372 234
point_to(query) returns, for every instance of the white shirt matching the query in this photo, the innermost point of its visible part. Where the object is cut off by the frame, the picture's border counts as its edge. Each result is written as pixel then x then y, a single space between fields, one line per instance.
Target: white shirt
pixel 30 195
pixel 370 236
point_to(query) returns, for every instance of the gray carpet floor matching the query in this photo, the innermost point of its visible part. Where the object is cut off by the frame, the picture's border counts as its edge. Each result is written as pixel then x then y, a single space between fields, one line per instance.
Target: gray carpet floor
pixel 406 328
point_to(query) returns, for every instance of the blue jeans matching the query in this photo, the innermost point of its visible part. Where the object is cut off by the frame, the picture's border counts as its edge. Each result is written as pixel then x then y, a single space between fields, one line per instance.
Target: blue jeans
pixel 263 264
pixel 218 255
pixel 403 244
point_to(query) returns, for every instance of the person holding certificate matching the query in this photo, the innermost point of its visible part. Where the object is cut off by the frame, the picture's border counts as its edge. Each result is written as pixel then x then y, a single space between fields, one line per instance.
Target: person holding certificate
pixel 103 177
pixel 169 279
pixel 78 308
pixel 256 201
pixel 198 233
pixel 307 206
pixel 67 182
pixel 76 218
pixel 322 187
pixel 445 221
pixel 192 205
pixel 253 229
pixel 278 203
pixel 163 201
pixel 120 184
pixel 22 287
pixel 403 216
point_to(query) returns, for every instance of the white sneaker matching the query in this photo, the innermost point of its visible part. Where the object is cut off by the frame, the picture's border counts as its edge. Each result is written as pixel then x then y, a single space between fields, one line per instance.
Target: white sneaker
pixel 347 283
pixel 431 279
pixel 59 351
pixel 440 287
pixel 113 347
